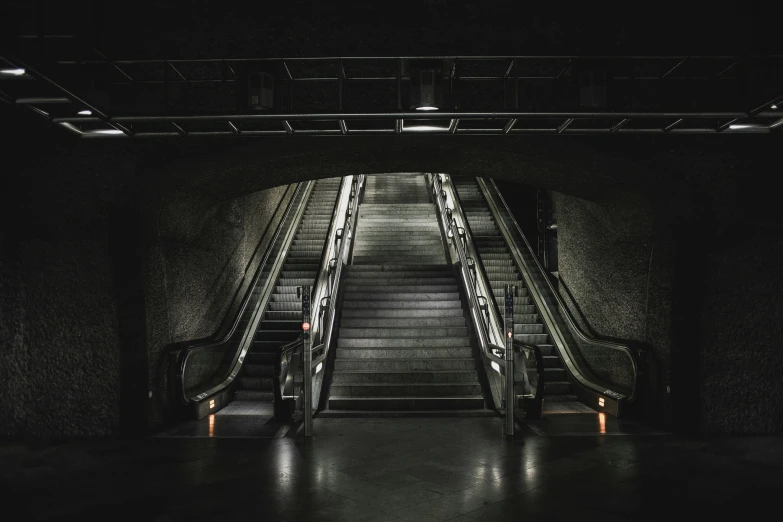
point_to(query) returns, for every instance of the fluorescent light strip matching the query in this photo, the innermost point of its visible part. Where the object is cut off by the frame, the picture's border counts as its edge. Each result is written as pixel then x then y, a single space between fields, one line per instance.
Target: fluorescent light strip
pixel 112 132
pixel 12 72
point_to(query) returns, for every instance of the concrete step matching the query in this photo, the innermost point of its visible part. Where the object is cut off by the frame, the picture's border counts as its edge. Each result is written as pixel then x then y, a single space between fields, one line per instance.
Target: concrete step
pixel 402 332
pixel 389 305
pixel 351 286
pixel 400 281
pixel 403 313
pixel 396 267
pixel 430 342
pixel 406 389
pixel 410 364
pixel 378 353
pixel 400 294
pixel 344 377
pixel 406 403
pixel 412 322
pixel 360 259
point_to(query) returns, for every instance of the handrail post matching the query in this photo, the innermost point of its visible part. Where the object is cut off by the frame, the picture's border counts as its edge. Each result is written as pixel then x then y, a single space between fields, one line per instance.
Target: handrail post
pixel 307 359
pixel 509 330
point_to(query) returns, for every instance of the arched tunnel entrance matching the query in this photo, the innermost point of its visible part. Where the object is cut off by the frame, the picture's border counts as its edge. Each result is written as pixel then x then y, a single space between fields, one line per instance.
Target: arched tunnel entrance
pixel 209 190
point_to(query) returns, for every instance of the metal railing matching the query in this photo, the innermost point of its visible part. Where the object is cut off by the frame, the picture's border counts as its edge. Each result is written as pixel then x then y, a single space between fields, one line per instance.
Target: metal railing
pixel 486 318
pixel 280 242
pixel 551 306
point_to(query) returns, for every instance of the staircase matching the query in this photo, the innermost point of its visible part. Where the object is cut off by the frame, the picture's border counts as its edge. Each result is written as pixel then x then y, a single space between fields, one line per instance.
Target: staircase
pixel 282 319
pixel 403 341
pixel 500 269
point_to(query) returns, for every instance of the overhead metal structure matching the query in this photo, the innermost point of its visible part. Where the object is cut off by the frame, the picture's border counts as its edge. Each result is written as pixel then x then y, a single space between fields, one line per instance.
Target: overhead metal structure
pixel 93 96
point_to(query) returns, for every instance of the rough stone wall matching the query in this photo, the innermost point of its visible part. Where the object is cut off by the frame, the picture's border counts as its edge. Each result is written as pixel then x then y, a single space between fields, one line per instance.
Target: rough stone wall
pixel 615 276
pixel 197 263
pixel 59 345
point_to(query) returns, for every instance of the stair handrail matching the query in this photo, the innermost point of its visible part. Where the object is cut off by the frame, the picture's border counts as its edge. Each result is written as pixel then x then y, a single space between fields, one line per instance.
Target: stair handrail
pixel 344 230
pixel 304 190
pixel 577 372
pixel 474 286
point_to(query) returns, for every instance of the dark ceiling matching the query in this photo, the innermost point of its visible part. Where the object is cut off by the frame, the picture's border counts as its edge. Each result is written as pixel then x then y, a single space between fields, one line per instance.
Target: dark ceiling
pixel 700 69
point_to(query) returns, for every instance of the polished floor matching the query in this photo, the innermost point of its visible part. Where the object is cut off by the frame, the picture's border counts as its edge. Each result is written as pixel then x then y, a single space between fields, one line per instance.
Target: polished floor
pixel 568 467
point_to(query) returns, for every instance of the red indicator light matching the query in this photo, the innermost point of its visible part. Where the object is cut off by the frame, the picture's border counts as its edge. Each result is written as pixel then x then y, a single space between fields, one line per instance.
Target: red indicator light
pixel 305 326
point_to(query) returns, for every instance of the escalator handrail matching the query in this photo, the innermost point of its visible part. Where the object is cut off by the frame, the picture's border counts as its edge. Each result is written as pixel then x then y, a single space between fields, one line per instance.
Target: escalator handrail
pixel 451 227
pixel 354 185
pixel 522 265
pixel 306 189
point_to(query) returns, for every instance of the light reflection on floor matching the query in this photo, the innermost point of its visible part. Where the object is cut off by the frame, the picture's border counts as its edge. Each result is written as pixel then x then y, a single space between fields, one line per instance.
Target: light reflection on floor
pixel 586 424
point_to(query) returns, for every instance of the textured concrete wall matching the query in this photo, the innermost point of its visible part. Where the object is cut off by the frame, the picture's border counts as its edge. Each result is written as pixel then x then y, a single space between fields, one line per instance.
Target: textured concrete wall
pixel 196 266
pixel 740 325
pixel 59 341
pixel 615 276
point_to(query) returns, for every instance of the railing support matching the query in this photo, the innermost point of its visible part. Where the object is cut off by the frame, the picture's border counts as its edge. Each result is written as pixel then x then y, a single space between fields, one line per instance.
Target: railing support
pixel 307 359
pixel 508 328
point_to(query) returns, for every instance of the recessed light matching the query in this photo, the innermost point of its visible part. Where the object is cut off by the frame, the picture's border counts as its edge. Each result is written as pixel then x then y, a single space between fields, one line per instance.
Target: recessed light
pixel 107 131
pixel 741 126
pixel 426 108
pixel 425 128
pixel 85 112
pixel 12 72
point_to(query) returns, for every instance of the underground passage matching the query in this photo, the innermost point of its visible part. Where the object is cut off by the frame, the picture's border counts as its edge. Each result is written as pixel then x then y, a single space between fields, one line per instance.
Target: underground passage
pixel 370 263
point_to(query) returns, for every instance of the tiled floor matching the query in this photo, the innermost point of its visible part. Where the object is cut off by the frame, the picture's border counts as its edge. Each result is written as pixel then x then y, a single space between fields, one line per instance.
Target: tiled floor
pixel 399 469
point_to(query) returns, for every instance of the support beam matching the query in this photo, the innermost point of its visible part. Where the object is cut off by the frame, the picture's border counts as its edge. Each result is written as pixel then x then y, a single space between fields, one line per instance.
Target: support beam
pixel 728 124
pixel 509 125
pixel 565 125
pixel 673 125
pixel 620 125
pixel 180 130
pixel 667 73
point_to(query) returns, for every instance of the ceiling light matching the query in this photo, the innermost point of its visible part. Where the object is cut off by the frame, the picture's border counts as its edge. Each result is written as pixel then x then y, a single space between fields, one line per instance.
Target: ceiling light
pixel 774 107
pixel 426 128
pixel 85 112
pixel 112 132
pixel 12 72
pixel 742 126
pixel 426 108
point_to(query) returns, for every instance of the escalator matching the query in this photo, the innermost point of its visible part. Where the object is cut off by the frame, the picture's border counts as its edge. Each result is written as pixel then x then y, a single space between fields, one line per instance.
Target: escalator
pixel 499 266
pixel 281 322
pixel 236 369
pixel 580 373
